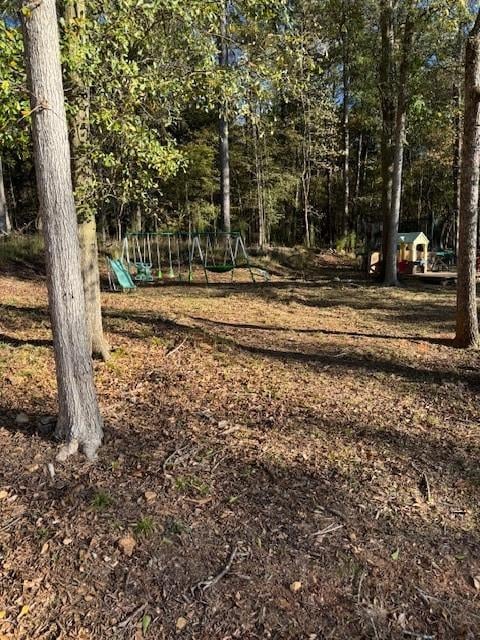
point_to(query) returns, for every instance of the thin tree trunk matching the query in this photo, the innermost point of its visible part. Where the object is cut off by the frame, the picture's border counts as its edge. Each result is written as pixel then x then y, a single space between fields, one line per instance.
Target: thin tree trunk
pixel 82 177
pixel 5 225
pixel 358 176
pixel 258 180
pixel 330 214
pixel 457 154
pixel 345 127
pixel 388 115
pixel 419 201
pixel 400 127
pixel 224 148
pixel 79 420
pixel 467 334
pixel 137 219
pixel 306 172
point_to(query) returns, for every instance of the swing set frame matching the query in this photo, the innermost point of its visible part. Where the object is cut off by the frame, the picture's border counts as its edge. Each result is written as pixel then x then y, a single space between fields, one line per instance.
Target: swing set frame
pixel 221 252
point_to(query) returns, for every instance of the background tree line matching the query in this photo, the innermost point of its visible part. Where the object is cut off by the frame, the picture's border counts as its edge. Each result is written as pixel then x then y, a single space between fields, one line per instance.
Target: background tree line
pixel 317 98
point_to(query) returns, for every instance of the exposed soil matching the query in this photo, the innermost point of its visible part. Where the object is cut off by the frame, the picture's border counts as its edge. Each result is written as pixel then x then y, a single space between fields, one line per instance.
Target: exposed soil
pixel 312 447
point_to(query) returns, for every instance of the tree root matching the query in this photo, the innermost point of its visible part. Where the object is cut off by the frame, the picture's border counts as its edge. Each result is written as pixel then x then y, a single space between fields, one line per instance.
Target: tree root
pixel 203 585
pixel 67 450
pixel 71 448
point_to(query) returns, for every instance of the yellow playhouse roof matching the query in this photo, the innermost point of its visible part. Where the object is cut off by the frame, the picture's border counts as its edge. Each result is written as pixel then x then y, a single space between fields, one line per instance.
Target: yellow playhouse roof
pixel 412 237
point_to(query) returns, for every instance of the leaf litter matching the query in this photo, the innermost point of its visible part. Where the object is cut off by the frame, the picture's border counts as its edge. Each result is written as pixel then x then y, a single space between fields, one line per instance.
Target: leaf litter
pixel 297 460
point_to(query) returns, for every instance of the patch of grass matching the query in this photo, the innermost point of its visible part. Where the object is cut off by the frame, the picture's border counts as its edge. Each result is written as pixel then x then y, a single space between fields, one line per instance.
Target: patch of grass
pixel 101 501
pixel 175 527
pixel 43 534
pixel 186 484
pixel 144 527
pixel 115 465
pixel 21 248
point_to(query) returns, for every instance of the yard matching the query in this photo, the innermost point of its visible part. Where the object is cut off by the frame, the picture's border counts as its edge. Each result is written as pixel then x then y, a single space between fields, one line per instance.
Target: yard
pixel 285 460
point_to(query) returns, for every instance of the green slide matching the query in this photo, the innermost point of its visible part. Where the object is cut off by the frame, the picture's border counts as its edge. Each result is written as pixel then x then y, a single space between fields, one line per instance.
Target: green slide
pixel 121 274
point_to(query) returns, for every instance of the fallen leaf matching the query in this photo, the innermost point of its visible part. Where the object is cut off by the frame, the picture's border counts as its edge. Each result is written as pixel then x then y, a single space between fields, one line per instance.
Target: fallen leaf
pixel 146 620
pixel 3 614
pixel 284 604
pixel 150 496
pixel 295 586
pixel 395 554
pixel 476 582
pixel 181 623
pixel 23 611
pixel 127 545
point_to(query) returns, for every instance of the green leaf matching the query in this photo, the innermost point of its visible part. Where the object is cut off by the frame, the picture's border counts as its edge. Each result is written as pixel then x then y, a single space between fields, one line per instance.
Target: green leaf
pixel 146 620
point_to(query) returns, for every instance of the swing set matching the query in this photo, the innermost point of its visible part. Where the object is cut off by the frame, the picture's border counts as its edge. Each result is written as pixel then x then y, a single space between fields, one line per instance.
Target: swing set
pixel 152 257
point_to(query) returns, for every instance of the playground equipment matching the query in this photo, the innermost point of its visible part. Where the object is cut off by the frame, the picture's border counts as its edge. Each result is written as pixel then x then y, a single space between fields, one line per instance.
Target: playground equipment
pixel 442 260
pixel 118 274
pixel 222 252
pixel 149 257
pixel 412 251
pixel 412 254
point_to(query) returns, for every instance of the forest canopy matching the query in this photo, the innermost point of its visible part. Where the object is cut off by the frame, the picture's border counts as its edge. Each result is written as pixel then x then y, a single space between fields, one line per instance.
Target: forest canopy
pixel 301 89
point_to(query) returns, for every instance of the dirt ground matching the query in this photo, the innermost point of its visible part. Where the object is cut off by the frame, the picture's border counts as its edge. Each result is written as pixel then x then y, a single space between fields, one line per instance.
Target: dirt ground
pixel 285 460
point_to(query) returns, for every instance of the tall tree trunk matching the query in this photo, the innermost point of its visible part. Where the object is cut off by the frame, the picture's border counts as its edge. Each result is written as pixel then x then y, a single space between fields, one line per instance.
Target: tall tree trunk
pixel 5 225
pixel 400 127
pixel 467 334
pixel 358 177
pixel 306 207
pixel 224 148
pixel 388 115
pixel 79 420
pixel 457 148
pixel 330 213
pixel 345 125
pixel 259 184
pixel 75 21
pixel 137 222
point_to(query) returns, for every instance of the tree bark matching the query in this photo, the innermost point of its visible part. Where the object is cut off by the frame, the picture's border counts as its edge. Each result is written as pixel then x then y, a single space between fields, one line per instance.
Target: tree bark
pixel 345 125
pixel 330 213
pixel 75 14
pixel 260 191
pixel 457 148
pixel 224 148
pixel 5 225
pixel 400 127
pixel 79 420
pixel 358 177
pixel 388 115
pixel 467 334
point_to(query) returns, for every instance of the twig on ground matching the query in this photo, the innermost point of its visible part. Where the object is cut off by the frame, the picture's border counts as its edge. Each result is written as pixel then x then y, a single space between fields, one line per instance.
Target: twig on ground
pixel 128 620
pixel 426 487
pixel 424 484
pixel 10 523
pixel 170 458
pixel 175 349
pixel 420 636
pixel 203 585
pixel 363 575
pixel 427 597
pixel 330 529
pixel 374 628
